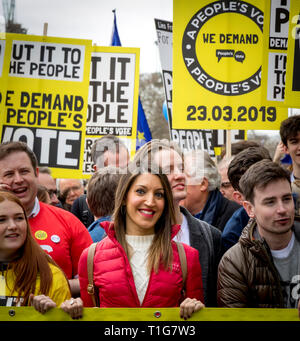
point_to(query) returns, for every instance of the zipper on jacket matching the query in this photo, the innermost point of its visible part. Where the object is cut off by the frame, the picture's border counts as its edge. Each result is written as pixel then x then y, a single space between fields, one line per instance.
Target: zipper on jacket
pixel 148 286
pixel 263 251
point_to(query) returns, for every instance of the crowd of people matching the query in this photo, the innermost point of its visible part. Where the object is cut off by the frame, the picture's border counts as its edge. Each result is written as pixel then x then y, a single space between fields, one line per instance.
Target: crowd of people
pixel 166 229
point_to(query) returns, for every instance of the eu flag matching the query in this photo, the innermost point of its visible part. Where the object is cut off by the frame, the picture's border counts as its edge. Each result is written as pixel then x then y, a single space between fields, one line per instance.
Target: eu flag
pixel 143 133
pixel 115 39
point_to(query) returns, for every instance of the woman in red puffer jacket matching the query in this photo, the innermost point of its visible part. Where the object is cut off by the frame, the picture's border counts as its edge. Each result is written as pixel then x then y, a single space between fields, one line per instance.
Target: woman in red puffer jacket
pixel 138 264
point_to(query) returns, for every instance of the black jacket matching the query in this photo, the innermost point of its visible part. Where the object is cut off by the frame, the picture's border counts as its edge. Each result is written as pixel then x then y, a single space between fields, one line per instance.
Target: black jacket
pixel 207 240
pixel 226 210
pixel 82 211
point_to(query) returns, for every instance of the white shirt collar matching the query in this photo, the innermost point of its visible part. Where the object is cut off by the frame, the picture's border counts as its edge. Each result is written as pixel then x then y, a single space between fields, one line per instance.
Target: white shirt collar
pixel 36 209
pixel 183 235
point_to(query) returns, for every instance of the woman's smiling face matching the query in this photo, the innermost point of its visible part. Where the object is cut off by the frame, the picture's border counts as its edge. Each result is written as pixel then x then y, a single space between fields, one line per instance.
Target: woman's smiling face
pixel 145 203
pixel 13 229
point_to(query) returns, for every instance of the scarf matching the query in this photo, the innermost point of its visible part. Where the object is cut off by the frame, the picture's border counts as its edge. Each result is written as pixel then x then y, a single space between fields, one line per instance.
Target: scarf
pixel 211 207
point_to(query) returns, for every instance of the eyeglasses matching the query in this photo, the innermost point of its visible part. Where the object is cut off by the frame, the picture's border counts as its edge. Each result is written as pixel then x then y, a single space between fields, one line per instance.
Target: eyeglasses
pixel 226 184
pixel 52 192
pixel 66 193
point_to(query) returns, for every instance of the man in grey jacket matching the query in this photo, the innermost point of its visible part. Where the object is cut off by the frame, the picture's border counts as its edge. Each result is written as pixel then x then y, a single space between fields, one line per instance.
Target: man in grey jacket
pixel 194 232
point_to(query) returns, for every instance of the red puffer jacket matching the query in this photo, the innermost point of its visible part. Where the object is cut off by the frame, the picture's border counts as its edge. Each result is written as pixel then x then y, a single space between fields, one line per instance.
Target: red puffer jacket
pixel 114 278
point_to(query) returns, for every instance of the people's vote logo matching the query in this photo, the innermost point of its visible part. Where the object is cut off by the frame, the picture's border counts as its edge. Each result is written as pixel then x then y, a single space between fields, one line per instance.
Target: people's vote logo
pixel 222 47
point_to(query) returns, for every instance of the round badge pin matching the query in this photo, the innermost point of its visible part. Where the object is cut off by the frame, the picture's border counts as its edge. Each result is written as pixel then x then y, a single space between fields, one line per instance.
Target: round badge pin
pixel 55 238
pixel 40 235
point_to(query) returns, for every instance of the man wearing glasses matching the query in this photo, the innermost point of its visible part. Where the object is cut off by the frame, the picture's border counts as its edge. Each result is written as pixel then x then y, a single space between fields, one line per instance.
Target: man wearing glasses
pixel 45 179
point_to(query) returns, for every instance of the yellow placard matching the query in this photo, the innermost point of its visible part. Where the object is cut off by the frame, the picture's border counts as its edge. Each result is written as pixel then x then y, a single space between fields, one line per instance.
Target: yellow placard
pixel 217 59
pixel 275 45
pixel 43 98
pixel 292 88
pixel 113 98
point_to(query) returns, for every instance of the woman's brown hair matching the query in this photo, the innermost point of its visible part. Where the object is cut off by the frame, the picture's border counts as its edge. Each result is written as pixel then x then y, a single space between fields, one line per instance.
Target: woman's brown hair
pixel 161 248
pixel 31 262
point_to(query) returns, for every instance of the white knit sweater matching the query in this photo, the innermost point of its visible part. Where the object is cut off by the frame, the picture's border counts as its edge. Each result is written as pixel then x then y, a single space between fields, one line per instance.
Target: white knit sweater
pixel 138 262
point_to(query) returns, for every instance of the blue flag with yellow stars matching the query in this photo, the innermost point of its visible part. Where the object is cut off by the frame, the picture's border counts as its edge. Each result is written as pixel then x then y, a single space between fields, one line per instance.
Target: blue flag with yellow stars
pixel 143 133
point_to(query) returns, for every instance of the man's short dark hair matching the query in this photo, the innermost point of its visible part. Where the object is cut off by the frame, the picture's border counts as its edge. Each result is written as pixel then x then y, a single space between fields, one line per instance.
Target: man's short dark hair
pixel 289 128
pixel 238 146
pixel 6 148
pixel 242 161
pixel 259 175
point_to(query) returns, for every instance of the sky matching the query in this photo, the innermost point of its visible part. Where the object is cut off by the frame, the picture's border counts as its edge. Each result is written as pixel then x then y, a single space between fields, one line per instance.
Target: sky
pixel 93 19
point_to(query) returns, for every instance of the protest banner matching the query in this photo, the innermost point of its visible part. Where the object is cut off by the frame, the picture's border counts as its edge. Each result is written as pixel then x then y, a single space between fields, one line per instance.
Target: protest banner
pixel 113 98
pixel 43 98
pixel 210 140
pixel 292 88
pixel 275 45
pixel 151 314
pixel 187 139
pixel 137 323
pixel 217 66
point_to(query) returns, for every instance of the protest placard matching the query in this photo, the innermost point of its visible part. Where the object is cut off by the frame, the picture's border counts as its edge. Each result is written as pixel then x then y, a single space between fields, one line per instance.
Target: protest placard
pixel 275 45
pixel 292 89
pixel 44 92
pixel 217 66
pixel 187 139
pixel 113 98
pixel 164 31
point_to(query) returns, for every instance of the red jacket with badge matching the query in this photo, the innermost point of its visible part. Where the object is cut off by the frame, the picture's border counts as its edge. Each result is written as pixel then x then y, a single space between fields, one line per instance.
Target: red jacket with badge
pixel 114 278
pixel 61 235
